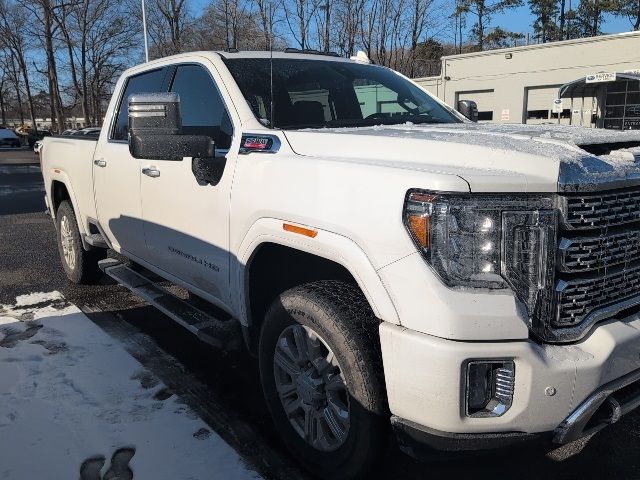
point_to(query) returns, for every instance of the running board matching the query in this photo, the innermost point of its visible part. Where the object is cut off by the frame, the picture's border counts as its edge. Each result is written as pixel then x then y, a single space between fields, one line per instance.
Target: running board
pixel 220 333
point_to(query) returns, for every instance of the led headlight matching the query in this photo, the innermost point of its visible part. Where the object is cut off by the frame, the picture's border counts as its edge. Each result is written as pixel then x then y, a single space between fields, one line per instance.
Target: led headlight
pixel 488 241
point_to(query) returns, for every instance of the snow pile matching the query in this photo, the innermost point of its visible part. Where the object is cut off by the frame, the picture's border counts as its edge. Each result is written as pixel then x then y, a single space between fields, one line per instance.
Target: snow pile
pixel 74 404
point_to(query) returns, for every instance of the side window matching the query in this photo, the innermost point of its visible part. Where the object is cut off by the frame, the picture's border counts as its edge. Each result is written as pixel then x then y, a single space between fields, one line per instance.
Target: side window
pixel 202 108
pixel 147 82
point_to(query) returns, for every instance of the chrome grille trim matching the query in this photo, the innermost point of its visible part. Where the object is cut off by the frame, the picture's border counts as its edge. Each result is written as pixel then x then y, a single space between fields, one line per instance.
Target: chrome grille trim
pixel 599 253
pixel 601 210
pixel 579 299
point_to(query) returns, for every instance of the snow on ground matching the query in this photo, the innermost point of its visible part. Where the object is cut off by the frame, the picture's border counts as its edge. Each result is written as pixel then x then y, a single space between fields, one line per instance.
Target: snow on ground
pixel 74 404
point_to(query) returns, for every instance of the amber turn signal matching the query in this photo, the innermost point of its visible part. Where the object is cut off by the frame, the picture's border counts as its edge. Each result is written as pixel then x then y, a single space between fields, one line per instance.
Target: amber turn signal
pixel 419 226
pixel 307 232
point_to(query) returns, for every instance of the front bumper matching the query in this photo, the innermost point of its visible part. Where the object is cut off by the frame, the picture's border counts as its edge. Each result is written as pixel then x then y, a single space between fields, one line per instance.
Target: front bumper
pixel 426 383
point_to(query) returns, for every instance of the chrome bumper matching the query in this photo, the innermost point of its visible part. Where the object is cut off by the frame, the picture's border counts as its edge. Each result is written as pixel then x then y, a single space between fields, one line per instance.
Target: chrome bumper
pixel 604 407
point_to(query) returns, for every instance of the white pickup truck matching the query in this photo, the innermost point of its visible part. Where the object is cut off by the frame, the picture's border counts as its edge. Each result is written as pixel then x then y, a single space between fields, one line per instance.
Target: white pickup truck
pixel 390 263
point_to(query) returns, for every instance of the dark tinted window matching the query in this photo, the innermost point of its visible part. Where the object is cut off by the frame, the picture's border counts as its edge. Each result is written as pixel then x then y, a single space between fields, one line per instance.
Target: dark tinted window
pixel 203 112
pixel 147 82
pixel 325 93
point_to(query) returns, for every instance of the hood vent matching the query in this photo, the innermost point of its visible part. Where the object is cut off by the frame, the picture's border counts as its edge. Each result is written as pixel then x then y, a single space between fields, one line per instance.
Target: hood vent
pixel 606 148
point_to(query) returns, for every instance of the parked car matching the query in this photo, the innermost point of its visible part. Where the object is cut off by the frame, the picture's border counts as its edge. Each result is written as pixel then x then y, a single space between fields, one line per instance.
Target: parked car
pixel 389 263
pixel 34 136
pixel 8 138
pixel 88 131
pixel 70 131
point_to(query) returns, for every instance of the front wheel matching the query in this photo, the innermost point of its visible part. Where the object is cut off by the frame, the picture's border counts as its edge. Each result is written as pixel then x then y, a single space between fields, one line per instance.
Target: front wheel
pixel 80 265
pixel 321 374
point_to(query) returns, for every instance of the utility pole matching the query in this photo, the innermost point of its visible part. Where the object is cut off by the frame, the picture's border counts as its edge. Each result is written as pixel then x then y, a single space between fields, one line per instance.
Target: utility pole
pixel 144 29
pixel 327 18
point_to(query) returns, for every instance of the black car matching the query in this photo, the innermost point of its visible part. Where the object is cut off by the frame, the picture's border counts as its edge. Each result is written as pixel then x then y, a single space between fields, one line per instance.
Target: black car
pixel 8 138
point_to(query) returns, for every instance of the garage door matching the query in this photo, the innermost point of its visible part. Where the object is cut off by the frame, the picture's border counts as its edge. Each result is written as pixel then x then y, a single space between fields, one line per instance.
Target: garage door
pixel 540 105
pixel 485 101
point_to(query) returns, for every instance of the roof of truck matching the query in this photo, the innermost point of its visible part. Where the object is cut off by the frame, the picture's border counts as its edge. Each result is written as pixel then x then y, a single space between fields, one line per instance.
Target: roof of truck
pixel 300 55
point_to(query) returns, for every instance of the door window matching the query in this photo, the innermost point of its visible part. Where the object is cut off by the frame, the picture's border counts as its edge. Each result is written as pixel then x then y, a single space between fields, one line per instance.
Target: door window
pixel 202 108
pixel 147 82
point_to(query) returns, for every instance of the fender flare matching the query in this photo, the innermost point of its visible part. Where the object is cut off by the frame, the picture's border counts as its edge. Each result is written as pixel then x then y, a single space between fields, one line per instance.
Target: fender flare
pixel 326 244
pixel 58 175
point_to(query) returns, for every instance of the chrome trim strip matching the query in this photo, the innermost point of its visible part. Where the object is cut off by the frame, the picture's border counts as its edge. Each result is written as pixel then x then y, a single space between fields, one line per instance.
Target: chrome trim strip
pixel 578 332
pixel 573 427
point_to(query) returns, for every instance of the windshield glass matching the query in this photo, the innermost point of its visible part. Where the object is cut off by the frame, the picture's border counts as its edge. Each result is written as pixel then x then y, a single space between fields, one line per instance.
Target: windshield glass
pixel 323 93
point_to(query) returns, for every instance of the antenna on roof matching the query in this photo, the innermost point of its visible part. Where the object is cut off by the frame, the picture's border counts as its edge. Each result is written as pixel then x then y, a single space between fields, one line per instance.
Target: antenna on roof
pixel 271 63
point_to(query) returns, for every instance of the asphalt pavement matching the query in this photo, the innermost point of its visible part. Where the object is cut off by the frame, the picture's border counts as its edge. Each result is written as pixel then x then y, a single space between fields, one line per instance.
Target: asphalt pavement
pixel 223 388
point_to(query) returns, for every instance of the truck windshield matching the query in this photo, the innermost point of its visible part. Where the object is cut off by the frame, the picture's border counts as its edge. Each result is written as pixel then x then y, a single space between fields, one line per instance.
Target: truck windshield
pixel 324 93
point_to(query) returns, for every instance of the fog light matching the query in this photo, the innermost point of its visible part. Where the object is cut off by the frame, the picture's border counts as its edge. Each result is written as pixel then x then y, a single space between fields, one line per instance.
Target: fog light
pixel 489 387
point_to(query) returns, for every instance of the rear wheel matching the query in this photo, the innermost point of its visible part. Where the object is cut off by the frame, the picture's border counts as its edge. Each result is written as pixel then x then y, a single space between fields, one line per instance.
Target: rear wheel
pixel 322 377
pixel 80 265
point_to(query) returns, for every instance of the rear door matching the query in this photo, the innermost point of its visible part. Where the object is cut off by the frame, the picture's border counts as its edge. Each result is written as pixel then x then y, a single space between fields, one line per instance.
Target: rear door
pixel 117 173
pixel 186 223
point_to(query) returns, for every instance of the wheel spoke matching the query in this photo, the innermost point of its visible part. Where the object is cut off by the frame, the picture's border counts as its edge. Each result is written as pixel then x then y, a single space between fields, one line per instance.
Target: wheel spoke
pixel 291 406
pixel 337 421
pixel 335 383
pixel 310 420
pixel 286 390
pixel 302 347
pixel 283 359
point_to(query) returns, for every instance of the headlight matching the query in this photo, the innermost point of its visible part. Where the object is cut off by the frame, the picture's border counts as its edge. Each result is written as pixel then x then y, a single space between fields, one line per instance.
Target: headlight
pixel 488 242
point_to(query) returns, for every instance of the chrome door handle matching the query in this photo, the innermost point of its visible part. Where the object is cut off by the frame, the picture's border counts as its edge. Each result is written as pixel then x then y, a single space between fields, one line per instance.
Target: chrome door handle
pixel 152 172
pixel 100 162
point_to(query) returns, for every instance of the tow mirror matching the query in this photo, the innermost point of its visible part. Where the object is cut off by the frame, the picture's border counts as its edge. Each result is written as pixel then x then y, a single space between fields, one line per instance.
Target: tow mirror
pixel 155 129
pixel 469 109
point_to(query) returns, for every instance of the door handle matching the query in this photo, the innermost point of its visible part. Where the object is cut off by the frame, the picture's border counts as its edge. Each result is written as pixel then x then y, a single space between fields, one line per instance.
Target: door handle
pixel 100 162
pixel 152 172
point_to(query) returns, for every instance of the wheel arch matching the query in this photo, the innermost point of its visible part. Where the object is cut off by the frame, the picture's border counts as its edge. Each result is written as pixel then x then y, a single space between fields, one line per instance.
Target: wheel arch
pixel 298 260
pixel 61 190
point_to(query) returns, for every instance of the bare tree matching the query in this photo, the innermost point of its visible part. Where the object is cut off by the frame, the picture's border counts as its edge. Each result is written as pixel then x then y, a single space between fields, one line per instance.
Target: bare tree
pixel 13 26
pixel 267 11
pixel 298 15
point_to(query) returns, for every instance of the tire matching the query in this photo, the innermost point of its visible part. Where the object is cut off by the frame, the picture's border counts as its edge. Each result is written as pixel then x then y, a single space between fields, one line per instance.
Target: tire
pixel 80 265
pixel 336 318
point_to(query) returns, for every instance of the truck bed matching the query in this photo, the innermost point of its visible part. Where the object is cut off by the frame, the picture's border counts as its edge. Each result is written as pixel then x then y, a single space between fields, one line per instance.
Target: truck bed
pixel 69 160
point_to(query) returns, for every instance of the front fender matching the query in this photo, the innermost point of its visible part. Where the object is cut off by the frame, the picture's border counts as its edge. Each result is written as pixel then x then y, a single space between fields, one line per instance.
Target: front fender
pixel 326 244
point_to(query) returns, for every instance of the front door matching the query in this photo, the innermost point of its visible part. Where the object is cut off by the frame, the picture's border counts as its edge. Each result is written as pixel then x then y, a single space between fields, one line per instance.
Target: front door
pixel 186 222
pixel 117 173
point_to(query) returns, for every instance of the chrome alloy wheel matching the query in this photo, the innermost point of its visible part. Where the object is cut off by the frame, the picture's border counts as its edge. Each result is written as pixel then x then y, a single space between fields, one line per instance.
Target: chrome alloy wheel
pixel 66 240
pixel 311 388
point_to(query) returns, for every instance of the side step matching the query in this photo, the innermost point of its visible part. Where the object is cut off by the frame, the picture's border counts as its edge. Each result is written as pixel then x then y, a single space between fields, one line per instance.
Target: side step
pixel 220 333
pixel 96 240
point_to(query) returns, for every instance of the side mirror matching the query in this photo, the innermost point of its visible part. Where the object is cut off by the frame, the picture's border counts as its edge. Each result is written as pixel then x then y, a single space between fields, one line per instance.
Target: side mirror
pixel 155 129
pixel 469 109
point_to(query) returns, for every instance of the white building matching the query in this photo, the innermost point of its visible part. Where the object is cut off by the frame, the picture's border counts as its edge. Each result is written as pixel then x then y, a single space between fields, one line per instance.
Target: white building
pixel 520 84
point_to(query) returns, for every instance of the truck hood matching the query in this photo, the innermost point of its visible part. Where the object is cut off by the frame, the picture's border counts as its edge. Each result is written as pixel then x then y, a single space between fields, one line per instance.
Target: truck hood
pixel 490 157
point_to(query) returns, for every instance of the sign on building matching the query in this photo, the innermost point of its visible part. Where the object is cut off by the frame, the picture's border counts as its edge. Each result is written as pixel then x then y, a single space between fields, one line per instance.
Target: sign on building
pixel 557 105
pixel 601 77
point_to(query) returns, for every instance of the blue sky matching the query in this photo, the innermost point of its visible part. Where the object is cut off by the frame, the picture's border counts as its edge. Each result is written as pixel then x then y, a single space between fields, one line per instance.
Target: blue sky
pixel 518 20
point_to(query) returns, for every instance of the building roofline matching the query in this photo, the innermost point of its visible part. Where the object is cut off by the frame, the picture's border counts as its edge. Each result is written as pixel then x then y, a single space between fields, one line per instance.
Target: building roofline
pixel 522 48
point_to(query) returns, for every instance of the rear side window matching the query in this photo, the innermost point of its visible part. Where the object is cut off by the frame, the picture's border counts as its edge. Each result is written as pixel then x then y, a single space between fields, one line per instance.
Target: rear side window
pixel 201 106
pixel 147 82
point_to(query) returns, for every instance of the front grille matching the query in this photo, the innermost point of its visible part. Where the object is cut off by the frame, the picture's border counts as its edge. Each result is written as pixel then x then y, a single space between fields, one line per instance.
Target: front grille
pixel 587 254
pixel 602 209
pixel 598 264
pixel 577 298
